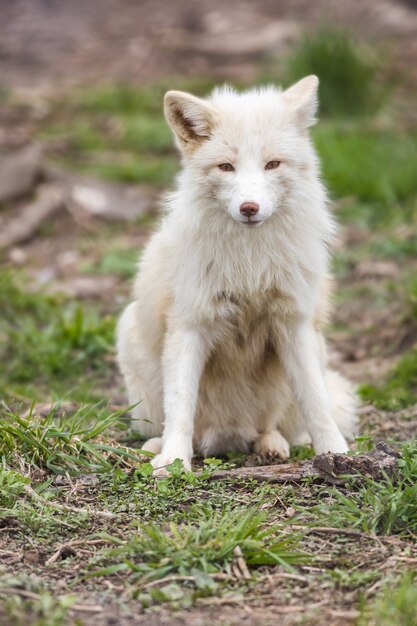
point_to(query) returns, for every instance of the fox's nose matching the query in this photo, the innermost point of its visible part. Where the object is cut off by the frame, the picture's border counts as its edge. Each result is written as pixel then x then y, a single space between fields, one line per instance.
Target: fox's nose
pixel 249 208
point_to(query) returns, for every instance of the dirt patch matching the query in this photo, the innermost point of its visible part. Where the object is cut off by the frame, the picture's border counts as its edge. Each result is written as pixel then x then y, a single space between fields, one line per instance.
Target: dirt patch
pixel 46 44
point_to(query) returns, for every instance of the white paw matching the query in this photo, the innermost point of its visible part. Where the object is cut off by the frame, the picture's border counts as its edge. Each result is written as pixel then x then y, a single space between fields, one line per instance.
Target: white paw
pixel 272 444
pixel 161 461
pixel 153 445
pixel 330 442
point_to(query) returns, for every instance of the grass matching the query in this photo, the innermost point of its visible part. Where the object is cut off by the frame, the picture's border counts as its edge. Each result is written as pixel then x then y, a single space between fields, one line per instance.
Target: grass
pixel 374 168
pixel 117 132
pixel 383 507
pixel 62 442
pixel 191 534
pixel 11 486
pixel 47 339
pixel 44 608
pixel 198 549
pixel 126 167
pixel 400 388
pixel 394 246
pixel 117 261
pixel 173 540
pixel 396 604
pixel 346 68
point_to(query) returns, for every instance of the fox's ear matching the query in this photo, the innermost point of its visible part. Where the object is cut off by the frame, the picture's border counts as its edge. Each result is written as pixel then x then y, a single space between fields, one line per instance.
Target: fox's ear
pixel 302 100
pixel 190 118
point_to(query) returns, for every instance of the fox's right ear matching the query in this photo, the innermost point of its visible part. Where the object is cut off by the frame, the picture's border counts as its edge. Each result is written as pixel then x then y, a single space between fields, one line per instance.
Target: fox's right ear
pixel 190 118
pixel 302 100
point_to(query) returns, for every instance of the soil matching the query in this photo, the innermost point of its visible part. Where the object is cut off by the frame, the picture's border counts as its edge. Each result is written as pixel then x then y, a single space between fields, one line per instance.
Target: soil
pixel 46 45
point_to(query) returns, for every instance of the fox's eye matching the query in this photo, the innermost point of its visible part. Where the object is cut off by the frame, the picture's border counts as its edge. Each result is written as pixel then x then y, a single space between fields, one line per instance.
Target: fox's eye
pixel 272 165
pixel 226 167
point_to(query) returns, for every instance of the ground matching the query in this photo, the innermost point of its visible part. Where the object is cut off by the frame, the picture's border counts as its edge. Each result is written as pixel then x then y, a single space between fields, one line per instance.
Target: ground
pixel 87 535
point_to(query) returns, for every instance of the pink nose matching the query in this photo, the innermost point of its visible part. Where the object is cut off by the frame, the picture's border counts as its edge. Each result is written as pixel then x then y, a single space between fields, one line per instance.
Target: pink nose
pixel 249 208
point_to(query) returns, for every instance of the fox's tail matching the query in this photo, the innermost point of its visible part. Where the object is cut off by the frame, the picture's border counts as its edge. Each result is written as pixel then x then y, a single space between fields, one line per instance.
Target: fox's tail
pixel 344 403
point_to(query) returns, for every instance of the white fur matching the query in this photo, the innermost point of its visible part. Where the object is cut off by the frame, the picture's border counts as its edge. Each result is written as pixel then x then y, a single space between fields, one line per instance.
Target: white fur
pixel 222 346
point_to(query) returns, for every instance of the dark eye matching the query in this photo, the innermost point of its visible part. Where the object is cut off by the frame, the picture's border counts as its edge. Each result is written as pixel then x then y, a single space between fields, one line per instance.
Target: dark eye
pixel 226 167
pixel 272 165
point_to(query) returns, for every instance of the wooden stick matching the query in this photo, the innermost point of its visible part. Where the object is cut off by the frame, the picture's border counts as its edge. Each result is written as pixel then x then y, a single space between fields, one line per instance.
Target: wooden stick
pixel 65 507
pixel 328 468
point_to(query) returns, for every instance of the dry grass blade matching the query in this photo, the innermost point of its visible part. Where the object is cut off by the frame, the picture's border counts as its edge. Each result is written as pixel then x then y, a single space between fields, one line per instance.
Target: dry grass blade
pixel 64 507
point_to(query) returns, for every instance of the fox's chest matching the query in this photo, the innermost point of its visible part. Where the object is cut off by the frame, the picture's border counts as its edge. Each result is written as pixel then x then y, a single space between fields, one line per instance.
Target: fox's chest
pixel 247 311
pixel 248 325
pixel 245 334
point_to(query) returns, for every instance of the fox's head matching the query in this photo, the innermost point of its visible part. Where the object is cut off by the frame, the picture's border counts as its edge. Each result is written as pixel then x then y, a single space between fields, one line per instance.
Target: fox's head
pixel 247 151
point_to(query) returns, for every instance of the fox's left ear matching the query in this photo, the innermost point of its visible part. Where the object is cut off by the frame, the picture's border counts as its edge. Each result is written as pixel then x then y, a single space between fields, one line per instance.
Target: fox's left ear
pixel 302 100
pixel 190 118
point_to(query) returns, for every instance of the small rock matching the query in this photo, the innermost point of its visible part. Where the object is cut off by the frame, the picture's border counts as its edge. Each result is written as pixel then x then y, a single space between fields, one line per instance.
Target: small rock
pixel 17 256
pixel 67 262
pixel 290 512
pixel 33 557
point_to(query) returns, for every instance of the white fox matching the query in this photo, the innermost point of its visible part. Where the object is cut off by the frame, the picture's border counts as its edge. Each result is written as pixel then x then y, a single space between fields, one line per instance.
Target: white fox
pixel 222 348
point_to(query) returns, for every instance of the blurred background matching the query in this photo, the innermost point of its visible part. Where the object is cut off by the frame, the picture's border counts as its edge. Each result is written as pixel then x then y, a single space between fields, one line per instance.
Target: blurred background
pixel 85 154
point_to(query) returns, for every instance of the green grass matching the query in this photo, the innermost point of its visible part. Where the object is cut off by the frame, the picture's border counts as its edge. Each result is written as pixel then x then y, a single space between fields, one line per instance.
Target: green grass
pixel 121 98
pixel 131 168
pixel 389 245
pixel 63 442
pixel 302 453
pixel 118 261
pixel 47 341
pixel 400 388
pixel 375 168
pixel 197 549
pixel 11 486
pixel 44 608
pixel 411 290
pixel 347 72
pixel 396 605
pixel 382 507
pixel 117 132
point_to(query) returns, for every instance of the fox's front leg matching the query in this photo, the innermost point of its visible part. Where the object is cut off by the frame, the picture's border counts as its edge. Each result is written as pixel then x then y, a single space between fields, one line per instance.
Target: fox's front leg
pixel 302 359
pixel 183 361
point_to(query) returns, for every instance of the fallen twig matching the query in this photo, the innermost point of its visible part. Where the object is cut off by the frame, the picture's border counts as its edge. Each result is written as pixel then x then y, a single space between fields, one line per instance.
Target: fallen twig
pixel 350 532
pixel 65 507
pixel 8 591
pixel 241 569
pixel 287 576
pixel 328 468
pixel 352 614
pixel 175 578
pixel 71 544
pixel 86 608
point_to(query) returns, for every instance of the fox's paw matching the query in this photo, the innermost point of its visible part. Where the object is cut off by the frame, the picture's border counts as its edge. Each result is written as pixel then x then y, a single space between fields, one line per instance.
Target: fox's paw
pixel 153 445
pixel 272 444
pixel 330 442
pixel 161 461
